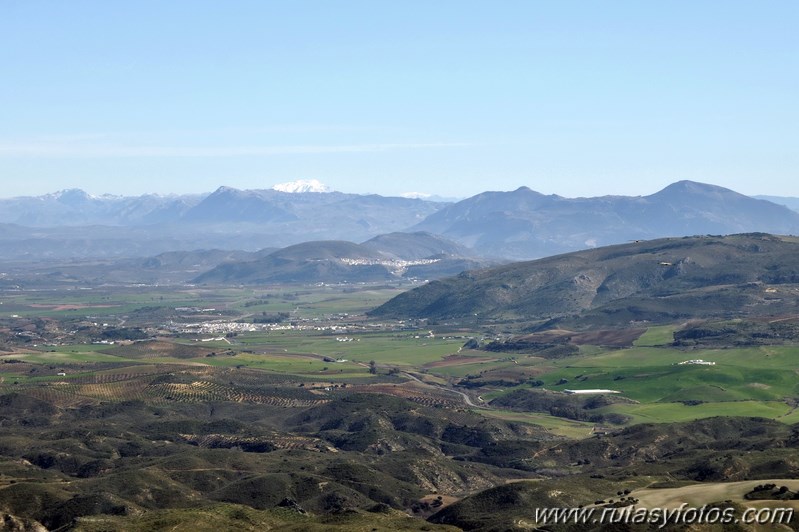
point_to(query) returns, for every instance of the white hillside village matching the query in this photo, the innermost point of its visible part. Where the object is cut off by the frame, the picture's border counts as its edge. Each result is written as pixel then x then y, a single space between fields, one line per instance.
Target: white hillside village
pixel 397 267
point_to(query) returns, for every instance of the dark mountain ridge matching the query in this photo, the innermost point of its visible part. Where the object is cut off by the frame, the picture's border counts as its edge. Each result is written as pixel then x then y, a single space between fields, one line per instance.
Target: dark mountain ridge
pixel 659 280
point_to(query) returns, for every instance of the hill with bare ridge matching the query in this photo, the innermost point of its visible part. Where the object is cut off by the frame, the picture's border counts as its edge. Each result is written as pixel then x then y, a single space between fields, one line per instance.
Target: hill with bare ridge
pixel 383 258
pixel 660 280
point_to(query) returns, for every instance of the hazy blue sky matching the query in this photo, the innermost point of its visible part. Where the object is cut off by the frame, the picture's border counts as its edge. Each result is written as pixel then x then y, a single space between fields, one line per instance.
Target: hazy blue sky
pixel 444 97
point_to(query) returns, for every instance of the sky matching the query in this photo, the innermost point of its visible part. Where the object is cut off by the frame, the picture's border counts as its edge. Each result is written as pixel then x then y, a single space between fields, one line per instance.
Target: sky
pixel 577 98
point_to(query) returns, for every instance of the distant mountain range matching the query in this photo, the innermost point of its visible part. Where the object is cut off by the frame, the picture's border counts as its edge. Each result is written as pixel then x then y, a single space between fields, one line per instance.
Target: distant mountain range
pixel 525 224
pixel 75 207
pixel 520 224
pixel 655 281
pixel 73 224
pixel 791 203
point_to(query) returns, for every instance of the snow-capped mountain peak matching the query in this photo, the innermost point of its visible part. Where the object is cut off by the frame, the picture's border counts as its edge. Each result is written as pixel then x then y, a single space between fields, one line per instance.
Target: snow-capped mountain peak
pixel 302 185
pixel 415 195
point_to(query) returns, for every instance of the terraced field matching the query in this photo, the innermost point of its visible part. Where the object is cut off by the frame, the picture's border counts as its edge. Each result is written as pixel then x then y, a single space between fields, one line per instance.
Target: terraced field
pixel 748 381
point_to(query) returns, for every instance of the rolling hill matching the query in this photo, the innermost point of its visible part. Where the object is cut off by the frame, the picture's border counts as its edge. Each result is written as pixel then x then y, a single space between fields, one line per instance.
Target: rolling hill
pixel 660 280
pixel 418 245
pixel 383 258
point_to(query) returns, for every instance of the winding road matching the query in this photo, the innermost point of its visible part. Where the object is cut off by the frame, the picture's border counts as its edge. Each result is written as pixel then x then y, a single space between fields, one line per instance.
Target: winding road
pixel 466 398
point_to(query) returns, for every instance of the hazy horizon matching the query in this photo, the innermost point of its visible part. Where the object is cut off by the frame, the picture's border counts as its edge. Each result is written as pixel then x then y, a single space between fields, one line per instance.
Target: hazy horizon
pixel 408 194
pixel 444 98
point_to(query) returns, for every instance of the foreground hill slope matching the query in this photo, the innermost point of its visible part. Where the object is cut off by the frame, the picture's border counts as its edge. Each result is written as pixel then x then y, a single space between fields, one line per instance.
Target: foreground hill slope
pixel 525 224
pixel 720 449
pixel 657 280
pixel 132 459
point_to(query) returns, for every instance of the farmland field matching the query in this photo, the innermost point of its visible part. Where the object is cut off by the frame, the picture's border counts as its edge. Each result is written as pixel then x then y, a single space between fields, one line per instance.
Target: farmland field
pixel 261 379
pixel 331 340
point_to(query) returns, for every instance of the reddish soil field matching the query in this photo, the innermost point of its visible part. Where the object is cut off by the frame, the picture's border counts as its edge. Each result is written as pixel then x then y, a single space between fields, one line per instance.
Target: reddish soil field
pixel 613 338
pixel 458 360
pixel 69 307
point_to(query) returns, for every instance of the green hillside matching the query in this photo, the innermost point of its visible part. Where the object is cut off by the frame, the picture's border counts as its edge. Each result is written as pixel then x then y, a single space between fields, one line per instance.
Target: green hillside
pixel 662 280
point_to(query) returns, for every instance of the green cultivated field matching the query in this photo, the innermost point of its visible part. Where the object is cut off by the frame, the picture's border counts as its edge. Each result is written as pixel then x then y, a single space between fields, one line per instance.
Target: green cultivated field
pixel 212 427
pixel 305 301
pixel 654 374
pixel 662 389
pixel 673 412
pixel 385 348
pixel 745 381
pixel 658 335
pixel 555 425
pixel 294 365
